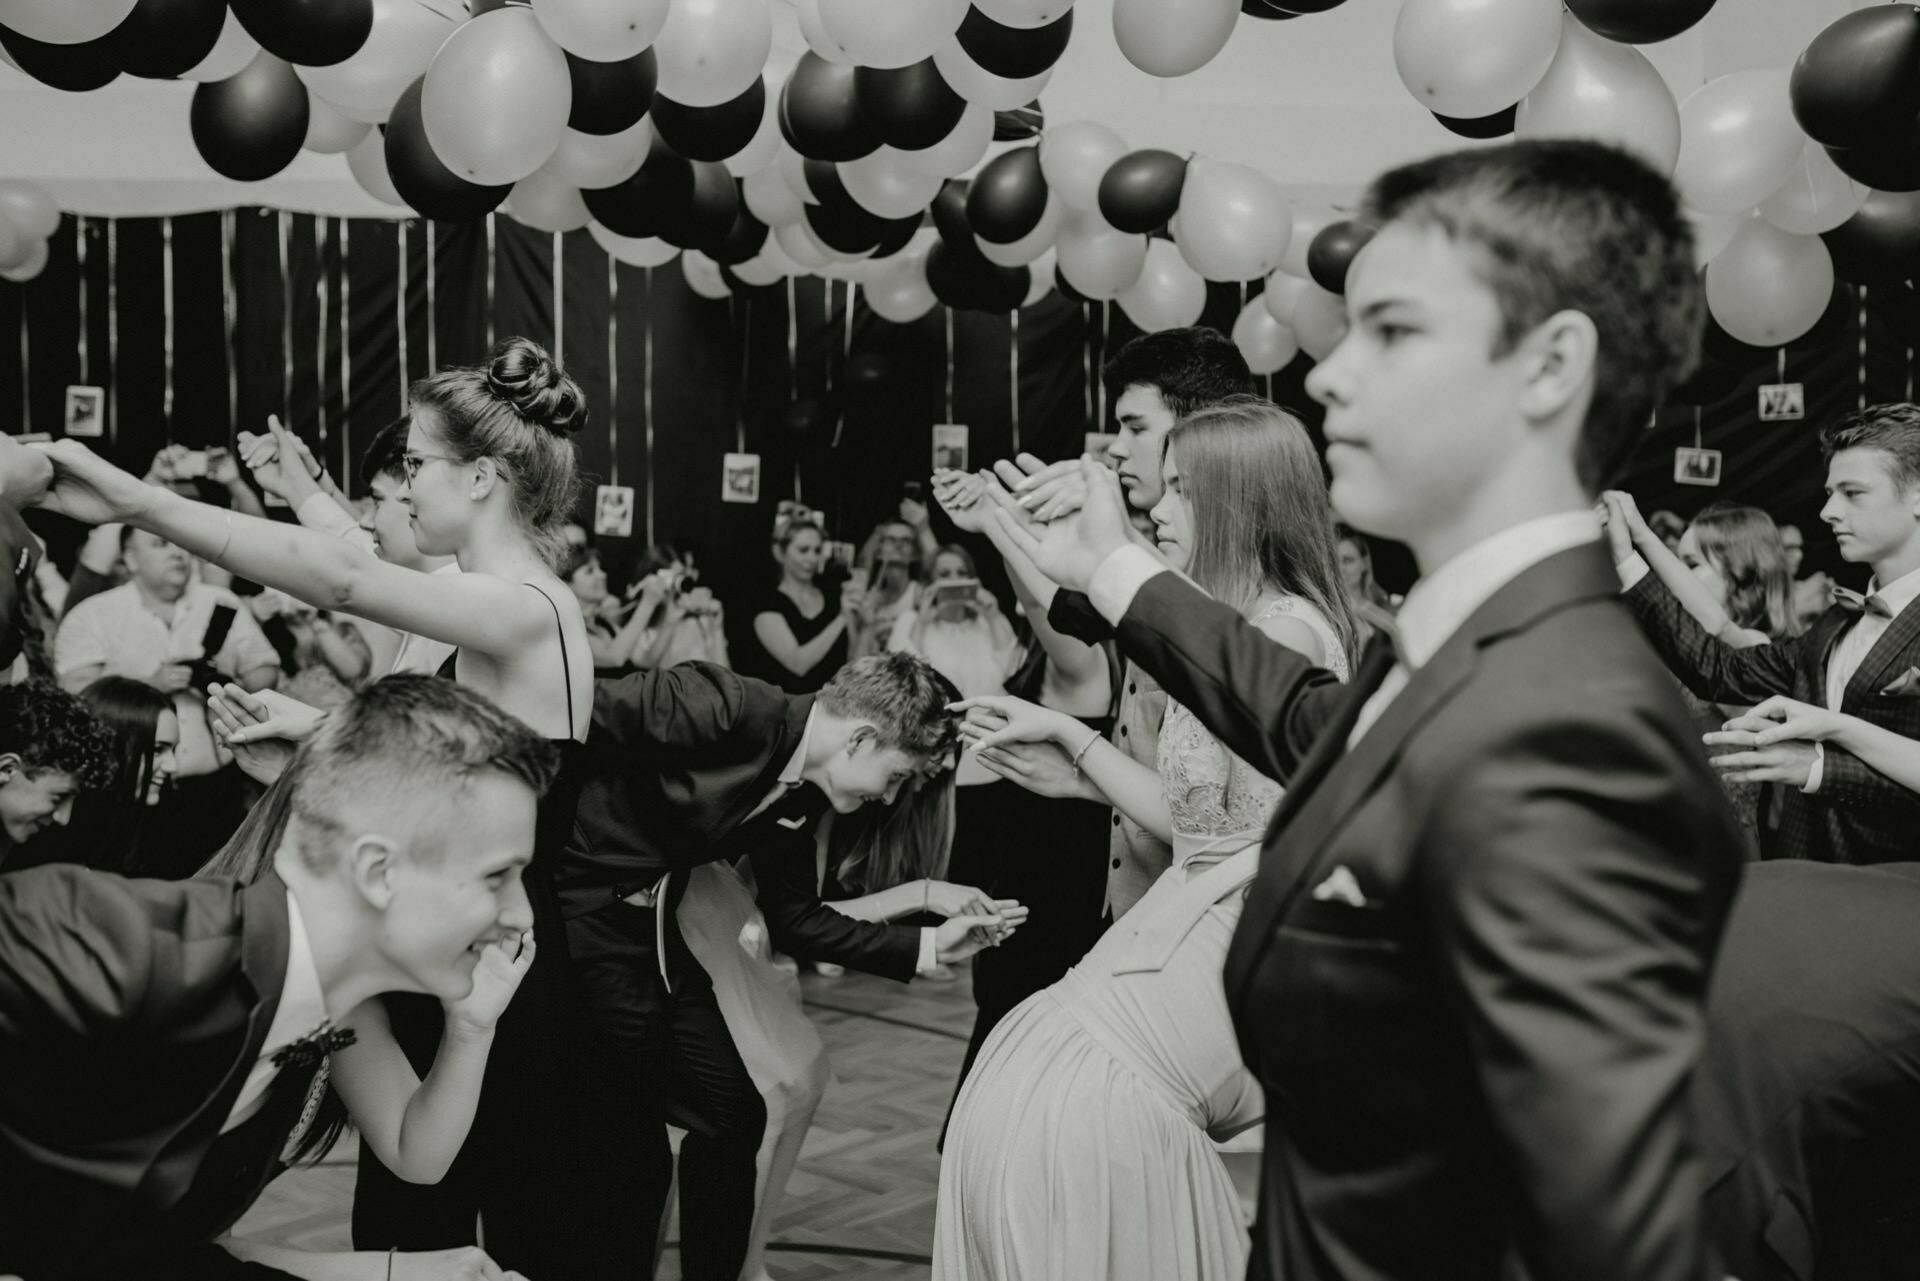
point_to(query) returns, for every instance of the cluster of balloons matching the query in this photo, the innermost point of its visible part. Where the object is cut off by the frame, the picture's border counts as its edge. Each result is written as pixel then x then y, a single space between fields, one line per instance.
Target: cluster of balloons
pixel 79 45
pixel 1174 37
pixel 27 217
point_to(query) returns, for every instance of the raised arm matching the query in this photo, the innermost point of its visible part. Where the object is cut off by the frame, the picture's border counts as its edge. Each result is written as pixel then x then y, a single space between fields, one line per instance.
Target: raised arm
pixel 1628 534
pixel 776 636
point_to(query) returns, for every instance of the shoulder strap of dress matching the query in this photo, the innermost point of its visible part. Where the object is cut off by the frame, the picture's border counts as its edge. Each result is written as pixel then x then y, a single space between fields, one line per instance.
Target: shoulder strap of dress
pixel 566 664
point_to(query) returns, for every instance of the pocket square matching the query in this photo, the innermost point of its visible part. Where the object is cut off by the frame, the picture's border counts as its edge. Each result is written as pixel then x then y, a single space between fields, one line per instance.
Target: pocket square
pixel 791 824
pixel 1908 686
pixel 1341 887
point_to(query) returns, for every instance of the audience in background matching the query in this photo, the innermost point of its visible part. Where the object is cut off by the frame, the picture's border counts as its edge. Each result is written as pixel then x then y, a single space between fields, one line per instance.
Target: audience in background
pixel 893 561
pixel 617 630
pixel 957 626
pixel 802 625
pixel 52 747
pixel 1370 600
pixel 689 622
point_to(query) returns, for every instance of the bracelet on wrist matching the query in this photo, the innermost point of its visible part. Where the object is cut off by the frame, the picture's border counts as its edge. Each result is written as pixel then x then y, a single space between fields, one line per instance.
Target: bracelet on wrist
pixel 1081 754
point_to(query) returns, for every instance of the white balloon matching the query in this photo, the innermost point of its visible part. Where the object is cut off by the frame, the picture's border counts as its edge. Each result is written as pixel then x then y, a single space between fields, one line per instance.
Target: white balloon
pixel 66 21
pixel 1024 15
pixel 635 251
pixel 800 245
pixel 1282 295
pixel 1768 287
pixel 814 32
pixel 703 275
pixel 963 148
pixel 1308 222
pixel 886 183
pixel 1030 246
pixel 230 55
pixel 1165 38
pixel 978 85
pixel 1268 345
pixel 1042 271
pixel 591 161
pixel 1713 232
pixel 1098 261
pixel 405 36
pixel 1075 156
pixel 1471 58
pixel 368 161
pixel 1319 321
pixel 710 50
pixel 765 144
pixel 29 207
pixel 1738 140
pixel 1168 295
pixel 899 291
pixel 1605 91
pixel 763 268
pixel 496 97
pixel 602 30
pixel 890 33
pixel 547 203
pixel 1234 222
pixel 1816 196
pixel 36 263
pixel 771 200
pixel 792 167
pixel 328 131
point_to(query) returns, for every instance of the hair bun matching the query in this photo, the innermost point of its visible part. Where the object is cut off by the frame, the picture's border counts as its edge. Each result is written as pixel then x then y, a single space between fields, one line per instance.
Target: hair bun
pixel 522 373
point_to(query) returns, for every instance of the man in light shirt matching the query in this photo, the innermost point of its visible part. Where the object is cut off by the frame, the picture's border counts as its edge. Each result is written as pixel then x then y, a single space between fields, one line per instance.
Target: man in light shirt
pixel 161 1037
pixel 1469 973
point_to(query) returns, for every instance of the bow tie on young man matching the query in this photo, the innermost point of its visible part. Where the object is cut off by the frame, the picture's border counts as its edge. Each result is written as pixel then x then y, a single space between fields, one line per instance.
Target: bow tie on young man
pixel 1861 603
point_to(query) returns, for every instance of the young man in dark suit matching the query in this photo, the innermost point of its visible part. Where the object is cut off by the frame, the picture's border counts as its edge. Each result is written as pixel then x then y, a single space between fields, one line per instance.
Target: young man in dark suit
pixel 692 764
pixel 1860 657
pixel 161 1038
pixel 1470 971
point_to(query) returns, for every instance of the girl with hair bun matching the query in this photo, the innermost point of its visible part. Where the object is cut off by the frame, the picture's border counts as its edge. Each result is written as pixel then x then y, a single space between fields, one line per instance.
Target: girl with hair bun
pixel 491 479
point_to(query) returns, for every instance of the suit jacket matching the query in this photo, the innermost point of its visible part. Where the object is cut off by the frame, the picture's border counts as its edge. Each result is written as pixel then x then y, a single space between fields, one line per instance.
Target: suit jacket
pixel 1485 1058
pixel 130 1015
pixel 1809 1098
pixel 678 759
pixel 1858 815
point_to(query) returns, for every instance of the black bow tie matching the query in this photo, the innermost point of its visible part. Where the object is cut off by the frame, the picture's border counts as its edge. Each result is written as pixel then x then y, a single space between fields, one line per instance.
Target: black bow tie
pixel 1854 602
pixel 313 1047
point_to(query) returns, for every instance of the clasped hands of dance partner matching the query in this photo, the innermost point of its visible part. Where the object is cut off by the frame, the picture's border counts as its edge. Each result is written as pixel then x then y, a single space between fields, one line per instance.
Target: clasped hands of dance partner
pixel 1776 741
pixel 1067 516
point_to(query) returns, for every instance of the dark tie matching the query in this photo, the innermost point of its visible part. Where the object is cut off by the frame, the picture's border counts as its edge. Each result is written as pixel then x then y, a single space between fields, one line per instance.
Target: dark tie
pixel 1854 602
pixel 314 1046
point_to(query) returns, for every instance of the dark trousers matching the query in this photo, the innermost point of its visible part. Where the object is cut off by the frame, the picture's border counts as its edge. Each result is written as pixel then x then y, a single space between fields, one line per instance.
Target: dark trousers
pixel 673 1052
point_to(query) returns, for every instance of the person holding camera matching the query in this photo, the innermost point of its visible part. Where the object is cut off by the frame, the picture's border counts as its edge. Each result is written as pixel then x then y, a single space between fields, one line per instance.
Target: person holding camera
pixel 957 626
pixel 617 630
pixel 802 625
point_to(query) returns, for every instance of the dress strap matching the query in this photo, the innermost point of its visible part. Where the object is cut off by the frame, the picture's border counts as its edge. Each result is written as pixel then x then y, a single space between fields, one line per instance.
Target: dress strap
pixel 566 664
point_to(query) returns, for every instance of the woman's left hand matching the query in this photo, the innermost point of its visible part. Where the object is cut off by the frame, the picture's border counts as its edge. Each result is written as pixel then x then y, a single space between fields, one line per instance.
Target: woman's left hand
pixel 997 719
pixel 1778 720
pixel 90 489
pixel 503 963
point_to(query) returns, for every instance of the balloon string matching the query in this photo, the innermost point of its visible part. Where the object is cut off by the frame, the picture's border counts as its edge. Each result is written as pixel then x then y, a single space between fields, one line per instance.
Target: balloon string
pixel 320 330
pixel 26 372
pixel 490 251
pixel 1696 426
pixel 400 303
pixel 229 308
pixel 793 339
pixel 1863 347
pixel 80 270
pixel 613 370
pixel 846 355
pixel 559 303
pixel 113 331
pixel 949 417
pixel 433 337
pixel 646 397
pixel 735 306
pixel 1086 360
pixel 1106 320
pixel 166 321
pixel 1783 366
pixel 286 322
pixel 1013 372
pixel 346 365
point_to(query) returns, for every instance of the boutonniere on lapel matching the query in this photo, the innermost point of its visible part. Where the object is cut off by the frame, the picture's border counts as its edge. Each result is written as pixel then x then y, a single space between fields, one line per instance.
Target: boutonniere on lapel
pixel 1907 686
pixel 313 1047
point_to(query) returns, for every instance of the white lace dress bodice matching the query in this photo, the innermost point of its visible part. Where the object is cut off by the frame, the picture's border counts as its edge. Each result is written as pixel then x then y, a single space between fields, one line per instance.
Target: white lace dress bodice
pixel 1219 802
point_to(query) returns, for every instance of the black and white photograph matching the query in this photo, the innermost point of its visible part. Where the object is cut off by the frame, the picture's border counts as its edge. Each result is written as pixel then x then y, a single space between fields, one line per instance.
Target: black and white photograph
pixel 1305 665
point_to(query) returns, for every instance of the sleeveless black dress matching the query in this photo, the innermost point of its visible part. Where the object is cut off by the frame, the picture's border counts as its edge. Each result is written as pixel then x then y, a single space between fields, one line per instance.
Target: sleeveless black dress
pixel 529 1162
pixel 766 667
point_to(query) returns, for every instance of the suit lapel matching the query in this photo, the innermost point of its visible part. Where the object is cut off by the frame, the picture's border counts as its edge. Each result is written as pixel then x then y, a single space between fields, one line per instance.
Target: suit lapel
pixel 1877 667
pixel 741 800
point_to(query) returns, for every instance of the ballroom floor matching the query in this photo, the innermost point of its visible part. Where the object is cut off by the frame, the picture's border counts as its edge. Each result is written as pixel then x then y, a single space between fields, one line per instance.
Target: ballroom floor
pixel 860 1206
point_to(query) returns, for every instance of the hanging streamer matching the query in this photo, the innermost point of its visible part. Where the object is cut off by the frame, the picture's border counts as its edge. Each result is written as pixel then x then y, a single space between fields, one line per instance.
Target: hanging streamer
pixel 346 365
pixel 166 311
pixel 646 397
pixel 1909 396
pixel 228 314
pixel 742 326
pixel 613 369
pixel 1106 321
pixel 400 302
pixel 1013 376
pixel 949 359
pixel 559 317
pixel 846 354
pixel 1086 358
pixel 793 340
pixel 489 282
pixel 286 324
pixel 433 320
pixel 26 374
pixel 113 330
pixel 1863 347
pixel 80 271
pixel 320 330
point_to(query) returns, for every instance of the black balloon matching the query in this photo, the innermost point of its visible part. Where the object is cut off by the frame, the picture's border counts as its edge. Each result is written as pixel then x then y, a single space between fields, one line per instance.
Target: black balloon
pixel 1332 252
pixel 1261 9
pixel 1008 197
pixel 897 233
pixel 706 217
pixel 1881 243
pixel 963 283
pixel 311 33
pixel 1639 21
pixel 1497 125
pixel 743 240
pixel 821 114
pixel 912 107
pixel 423 181
pixel 1011 52
pixel 1141 190
pixel 1891 163
pixel 658 192
pixel 949 211
pixel 251 126
pixel 609 97
pixel 76 68
pixel 1860 78
pixel 865 371
pixel 162 39
pixel 711 133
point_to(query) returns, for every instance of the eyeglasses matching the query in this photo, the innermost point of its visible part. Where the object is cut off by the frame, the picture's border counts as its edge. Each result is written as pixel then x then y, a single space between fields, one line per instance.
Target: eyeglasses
pixel 414 462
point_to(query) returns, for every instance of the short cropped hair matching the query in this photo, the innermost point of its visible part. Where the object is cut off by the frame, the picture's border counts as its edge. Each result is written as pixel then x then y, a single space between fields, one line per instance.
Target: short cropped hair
pixel 1190 368
pixel 386 456
pixel 407 740
pixel 1893 428
pixel 1563 224
pixel 52 731
pixel 903 697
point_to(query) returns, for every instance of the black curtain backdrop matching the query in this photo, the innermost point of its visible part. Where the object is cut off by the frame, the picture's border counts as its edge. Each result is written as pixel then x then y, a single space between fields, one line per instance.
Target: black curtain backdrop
pixel 200 325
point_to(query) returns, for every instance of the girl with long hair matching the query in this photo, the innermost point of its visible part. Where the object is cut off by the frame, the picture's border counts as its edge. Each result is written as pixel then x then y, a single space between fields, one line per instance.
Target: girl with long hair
pixel 1098 1102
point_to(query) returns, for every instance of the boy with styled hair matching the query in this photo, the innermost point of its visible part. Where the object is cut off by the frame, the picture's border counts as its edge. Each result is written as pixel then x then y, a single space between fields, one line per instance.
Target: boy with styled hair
pixel 1470 971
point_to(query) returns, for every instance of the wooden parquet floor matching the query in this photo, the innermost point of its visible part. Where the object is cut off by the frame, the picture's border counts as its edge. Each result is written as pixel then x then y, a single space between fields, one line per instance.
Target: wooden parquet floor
pixel 867 1175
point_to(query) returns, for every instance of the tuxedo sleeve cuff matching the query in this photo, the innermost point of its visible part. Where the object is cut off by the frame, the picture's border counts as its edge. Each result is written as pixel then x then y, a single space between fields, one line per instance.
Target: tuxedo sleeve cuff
pixel 1119 579
pixel 1819 768
pixel 929 954
pixel 1632 570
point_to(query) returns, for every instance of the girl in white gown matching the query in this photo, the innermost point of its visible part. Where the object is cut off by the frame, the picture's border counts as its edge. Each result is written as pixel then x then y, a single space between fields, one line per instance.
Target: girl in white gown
pixel 1082 1145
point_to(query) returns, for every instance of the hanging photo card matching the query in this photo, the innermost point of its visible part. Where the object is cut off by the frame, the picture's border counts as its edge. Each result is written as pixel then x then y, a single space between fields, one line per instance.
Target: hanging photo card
pixel 613 510
pixel 1783 402
pixel 86 411
pixel 1696 466
pixel 949 447
pixel 740 478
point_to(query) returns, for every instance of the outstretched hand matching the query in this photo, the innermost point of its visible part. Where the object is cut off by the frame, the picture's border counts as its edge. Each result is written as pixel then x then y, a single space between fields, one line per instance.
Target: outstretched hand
pixel 1085 521
pixel 996 720
pixel 957 939
pixel 89 488
pixel 1779 720
pixel 261 730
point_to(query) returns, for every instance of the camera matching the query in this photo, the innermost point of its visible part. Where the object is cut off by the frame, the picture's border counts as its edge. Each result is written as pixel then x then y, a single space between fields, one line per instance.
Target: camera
pixel 190 464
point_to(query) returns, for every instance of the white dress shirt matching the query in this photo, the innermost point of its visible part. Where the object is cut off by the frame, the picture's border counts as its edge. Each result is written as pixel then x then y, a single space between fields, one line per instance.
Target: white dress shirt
pixel 302 1009
pixel 1434 610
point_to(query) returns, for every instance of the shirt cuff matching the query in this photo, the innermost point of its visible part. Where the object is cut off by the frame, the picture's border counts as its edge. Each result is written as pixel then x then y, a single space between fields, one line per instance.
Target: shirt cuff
pixel 929 954
pixel 1819 768
pixel 1632 570
pixel 1119 579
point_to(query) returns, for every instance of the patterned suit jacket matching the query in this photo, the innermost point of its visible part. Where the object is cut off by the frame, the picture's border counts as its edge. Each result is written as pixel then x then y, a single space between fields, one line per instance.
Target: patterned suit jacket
pixel 1858 815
